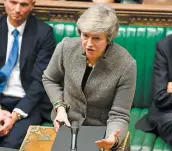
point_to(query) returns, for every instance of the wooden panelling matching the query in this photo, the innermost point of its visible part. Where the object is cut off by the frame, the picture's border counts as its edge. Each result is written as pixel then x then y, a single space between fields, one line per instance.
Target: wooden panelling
pixel 133 14
pixel 158 2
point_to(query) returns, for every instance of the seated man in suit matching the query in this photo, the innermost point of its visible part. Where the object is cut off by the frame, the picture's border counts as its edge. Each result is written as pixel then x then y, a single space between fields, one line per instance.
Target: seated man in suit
pixel 26 46
pixel 159 117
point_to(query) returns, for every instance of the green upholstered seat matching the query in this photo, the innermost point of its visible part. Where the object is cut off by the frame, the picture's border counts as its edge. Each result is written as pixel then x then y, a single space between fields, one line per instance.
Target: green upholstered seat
pixel 140 41
pixel 63 29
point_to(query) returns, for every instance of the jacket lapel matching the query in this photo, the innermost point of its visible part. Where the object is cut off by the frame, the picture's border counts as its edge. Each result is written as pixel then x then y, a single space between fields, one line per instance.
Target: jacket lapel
pixel 27 41
pixel 102 67
pixel 3 40
pixel 78 70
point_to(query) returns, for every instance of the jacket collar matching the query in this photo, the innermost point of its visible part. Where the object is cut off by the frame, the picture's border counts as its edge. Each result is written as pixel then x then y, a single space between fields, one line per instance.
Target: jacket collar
pixel 28 39
pixel 3 39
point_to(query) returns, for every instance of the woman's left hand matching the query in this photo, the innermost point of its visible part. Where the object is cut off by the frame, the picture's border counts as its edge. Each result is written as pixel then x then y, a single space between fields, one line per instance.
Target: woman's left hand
pixel 108 142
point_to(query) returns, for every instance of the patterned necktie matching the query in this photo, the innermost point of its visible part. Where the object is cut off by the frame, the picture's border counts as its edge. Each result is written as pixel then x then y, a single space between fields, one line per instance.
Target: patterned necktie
pixel 5 71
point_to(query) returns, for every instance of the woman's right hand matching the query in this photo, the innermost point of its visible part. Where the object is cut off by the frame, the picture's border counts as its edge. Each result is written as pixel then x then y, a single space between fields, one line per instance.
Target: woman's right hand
pixel 61 117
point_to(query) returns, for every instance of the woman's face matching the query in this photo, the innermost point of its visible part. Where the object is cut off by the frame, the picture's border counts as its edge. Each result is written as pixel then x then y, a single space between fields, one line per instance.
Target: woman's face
pixel 94 44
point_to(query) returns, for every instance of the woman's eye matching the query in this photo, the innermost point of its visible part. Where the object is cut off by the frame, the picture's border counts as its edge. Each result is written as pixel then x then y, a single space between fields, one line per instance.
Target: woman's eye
pixel 85 35
pixel 96 38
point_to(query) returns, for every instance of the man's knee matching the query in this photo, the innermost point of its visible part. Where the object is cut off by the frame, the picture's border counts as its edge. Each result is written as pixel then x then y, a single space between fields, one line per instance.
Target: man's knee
pixel 11 144
pixel 165 131
pixel 12 140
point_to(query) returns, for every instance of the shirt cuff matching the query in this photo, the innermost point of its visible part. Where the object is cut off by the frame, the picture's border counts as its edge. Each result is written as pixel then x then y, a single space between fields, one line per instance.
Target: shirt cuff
pixel 22 113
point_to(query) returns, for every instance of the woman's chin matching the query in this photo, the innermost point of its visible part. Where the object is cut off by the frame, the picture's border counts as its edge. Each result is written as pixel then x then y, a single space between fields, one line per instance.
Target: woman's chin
pixel 90 54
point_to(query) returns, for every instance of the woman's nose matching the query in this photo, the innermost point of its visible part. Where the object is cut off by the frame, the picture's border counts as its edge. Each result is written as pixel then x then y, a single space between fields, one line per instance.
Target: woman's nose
pixel 90 42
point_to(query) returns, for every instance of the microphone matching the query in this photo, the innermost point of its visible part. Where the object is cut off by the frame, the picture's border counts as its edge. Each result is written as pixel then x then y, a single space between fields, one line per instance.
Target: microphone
pixel 74 133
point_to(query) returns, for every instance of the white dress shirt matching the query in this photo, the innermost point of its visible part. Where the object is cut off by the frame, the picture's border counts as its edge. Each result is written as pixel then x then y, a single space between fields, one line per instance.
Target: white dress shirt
pixel 14 87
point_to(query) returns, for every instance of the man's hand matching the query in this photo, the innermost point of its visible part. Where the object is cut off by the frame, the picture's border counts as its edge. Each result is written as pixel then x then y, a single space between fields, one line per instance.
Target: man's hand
pixel 60 118
pixel 4 114
pixel 169 87
pixel 8 123
pixel 6 127
pixel 108 142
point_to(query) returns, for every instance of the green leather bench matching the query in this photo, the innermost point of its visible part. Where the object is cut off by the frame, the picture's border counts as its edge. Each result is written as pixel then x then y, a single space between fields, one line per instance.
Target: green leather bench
pixel 140 41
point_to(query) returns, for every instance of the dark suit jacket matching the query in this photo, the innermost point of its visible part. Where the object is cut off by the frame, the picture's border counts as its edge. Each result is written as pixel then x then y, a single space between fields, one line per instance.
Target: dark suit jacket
pixel 37 47
pixel 162 101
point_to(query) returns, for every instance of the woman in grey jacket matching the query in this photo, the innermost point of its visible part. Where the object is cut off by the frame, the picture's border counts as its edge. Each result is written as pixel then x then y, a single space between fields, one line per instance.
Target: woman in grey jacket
pixel 94 76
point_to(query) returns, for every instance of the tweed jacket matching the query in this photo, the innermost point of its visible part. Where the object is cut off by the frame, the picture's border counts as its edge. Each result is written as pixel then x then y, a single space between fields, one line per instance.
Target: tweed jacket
pixel 108 92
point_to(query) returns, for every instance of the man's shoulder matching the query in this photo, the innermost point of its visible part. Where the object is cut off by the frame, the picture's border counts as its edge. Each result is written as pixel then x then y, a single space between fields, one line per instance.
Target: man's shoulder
pixel 39 23
pixel 166 41
pixel 3 18
pixel 164 45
